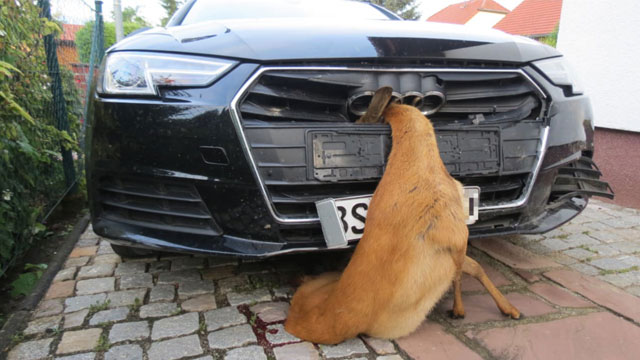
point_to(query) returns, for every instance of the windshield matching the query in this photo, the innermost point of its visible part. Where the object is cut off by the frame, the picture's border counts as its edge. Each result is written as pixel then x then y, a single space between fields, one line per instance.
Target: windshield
pixel 206 10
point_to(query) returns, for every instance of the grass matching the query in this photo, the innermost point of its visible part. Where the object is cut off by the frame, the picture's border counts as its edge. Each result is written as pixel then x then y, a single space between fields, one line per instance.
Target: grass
pixel 562 236
pixel 585 247
pixel 621 271
pixel 203 327
pixel 137 303
pixel 253 319
pixel 17 337
pixel 103 343
pixel 94 308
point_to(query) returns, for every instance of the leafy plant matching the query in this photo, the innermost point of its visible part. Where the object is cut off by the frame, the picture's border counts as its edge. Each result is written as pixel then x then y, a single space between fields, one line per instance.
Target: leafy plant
pixel 27 280
pixel 103 343
pixel 406 9
pixel 84 37
pixel 94 308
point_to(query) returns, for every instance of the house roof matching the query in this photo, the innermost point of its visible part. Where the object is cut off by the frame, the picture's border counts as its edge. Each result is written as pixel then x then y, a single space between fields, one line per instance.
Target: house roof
pixel 69 32
pixel 532 17
pixel 462 12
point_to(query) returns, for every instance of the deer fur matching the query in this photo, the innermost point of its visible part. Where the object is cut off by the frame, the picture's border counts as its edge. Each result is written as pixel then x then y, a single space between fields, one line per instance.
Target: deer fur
pixel 413 247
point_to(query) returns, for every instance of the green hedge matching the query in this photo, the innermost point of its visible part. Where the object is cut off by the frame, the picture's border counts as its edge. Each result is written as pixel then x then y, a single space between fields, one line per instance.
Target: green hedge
pixel 31 175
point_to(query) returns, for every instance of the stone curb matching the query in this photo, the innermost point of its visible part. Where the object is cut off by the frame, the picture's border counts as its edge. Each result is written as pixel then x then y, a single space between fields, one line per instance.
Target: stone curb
pixel 19 319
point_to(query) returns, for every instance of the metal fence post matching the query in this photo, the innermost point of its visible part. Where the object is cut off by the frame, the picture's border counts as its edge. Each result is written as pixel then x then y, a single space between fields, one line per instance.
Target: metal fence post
pixel 59 104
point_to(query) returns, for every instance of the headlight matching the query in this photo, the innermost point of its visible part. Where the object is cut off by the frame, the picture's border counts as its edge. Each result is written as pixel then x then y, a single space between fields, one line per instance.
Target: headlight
pixel 560 72
pixel 138 73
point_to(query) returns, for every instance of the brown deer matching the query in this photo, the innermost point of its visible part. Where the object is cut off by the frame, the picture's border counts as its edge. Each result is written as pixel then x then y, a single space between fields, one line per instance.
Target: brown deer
pixel 413 247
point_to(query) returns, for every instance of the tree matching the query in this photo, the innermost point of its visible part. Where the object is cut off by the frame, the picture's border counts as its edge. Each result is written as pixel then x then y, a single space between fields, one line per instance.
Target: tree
pixel 170 7
pixel 406 9
pixel 84 36
pixel 552 39
pixel 130 15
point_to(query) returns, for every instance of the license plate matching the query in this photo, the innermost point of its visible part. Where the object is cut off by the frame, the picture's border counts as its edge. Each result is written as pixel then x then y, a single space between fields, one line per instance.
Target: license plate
pixel 343 219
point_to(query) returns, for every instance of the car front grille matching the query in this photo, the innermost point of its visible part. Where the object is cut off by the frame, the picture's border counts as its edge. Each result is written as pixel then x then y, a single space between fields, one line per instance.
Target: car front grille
pixel 297 121
pixel 580 177
pixel 156 205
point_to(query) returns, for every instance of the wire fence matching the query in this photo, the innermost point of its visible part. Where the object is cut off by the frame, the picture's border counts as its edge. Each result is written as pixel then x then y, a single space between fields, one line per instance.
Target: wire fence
pixel 44 84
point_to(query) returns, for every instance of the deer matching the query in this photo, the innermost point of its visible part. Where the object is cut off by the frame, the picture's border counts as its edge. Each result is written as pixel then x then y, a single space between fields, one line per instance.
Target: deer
pixel 413 247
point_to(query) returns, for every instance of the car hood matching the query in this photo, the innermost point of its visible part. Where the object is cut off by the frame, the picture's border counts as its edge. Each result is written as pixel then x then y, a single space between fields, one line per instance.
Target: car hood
pixel 287 40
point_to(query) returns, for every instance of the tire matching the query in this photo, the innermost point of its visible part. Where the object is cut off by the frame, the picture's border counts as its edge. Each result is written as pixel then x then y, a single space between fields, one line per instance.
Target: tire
pixel 131 252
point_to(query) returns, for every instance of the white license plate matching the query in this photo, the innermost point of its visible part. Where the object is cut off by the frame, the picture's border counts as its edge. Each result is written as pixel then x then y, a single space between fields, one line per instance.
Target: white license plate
pixel 343 219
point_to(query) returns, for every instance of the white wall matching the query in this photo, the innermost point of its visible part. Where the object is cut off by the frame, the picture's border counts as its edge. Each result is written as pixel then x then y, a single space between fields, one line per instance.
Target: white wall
pixel 484 19
pixel 601 39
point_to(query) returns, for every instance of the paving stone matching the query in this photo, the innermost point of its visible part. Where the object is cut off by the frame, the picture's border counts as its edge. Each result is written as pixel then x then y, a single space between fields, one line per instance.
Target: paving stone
pixel 105 248
pixel 245 353
pixel 107 259
pixel 200 303
pixel 94 286
pixel 132 281
pixel 350 347
pixel 95 271
pixel 65 274
pixel 30 350
pixel 79 340
pixel 599 292
pixel 189 289
pixel 634 290
pixel 481 308
pixel 208 357
pixel 271 312
pixel 83 251
pixel 232 283
pixel 224 317
pixel 585 269
pixel 621 222
pixel 162 293
pixel 158 310
pixel 576 240
pixel 257 295
pixel 430 341
pixel 622 279
pixel 578 253
pixel 471 284
pixel 231 337
pixel 555 244
pixel 159 266
pixel 175 326
pixel 60 289
pixel 299 351
pixel 558 295
pixel 218 273
pixel 528 276
pixel 512 255
pixel 277 335
pixel 75 319
pixel 41 325
pixel 390 357
pixel 83 302
pixel 126 297
pixel 130 268
pixel 561 258
pixel 610 264
pixel 626 246
pixel 178 277
pixel 593 336
pixel 48 308
pixel 124 352
pixel 79 261
pixel 604 250
pixel 129 331
pixel 111 315
pixel 605 234
pixel 84 356
pixel 380 346
pixel 175 348
pixel 187 263
pixel 283 292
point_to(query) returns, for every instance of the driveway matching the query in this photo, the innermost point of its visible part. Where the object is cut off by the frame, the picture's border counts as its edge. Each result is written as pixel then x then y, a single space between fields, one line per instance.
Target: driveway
pixel 576 286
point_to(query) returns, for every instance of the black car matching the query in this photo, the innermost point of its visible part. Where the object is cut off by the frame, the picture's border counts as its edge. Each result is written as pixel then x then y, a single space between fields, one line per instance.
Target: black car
pixel 219 133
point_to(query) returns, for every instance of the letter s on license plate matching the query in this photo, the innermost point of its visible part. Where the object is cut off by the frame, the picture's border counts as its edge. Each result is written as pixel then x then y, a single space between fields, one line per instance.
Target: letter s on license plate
pixel 343 219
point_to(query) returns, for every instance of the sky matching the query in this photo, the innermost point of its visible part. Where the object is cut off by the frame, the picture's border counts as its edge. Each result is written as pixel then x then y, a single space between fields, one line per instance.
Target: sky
pixel 79 11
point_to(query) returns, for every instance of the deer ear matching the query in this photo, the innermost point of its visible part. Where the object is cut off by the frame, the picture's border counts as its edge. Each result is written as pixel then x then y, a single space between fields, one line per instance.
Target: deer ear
pixel 378 103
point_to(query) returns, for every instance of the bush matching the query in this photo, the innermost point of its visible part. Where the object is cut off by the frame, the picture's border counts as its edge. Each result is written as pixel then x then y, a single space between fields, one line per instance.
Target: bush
pixel 31 175
pixel 84 37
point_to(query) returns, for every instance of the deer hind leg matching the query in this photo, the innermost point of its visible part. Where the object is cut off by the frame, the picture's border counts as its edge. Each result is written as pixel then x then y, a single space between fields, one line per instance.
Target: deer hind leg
pixel 458 308
pixel 474 269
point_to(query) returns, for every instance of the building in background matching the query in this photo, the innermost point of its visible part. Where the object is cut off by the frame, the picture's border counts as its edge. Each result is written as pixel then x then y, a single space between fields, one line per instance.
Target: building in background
pixel 68 56
pixel 532 18
pixel 600 39
pixel 477 13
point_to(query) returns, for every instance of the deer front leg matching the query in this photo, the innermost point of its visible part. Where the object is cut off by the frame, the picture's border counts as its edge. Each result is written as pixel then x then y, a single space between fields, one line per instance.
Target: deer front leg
pixel 474 269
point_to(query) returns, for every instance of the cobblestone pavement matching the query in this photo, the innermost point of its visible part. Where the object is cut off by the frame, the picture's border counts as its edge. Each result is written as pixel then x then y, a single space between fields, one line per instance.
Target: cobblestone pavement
pixel 577 288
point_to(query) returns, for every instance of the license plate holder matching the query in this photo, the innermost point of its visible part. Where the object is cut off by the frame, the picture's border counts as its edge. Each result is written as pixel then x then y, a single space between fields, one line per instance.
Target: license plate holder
pixel 343 219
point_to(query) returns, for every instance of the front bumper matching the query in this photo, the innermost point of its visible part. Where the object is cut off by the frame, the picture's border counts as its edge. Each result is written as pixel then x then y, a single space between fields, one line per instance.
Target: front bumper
pixel 191 139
